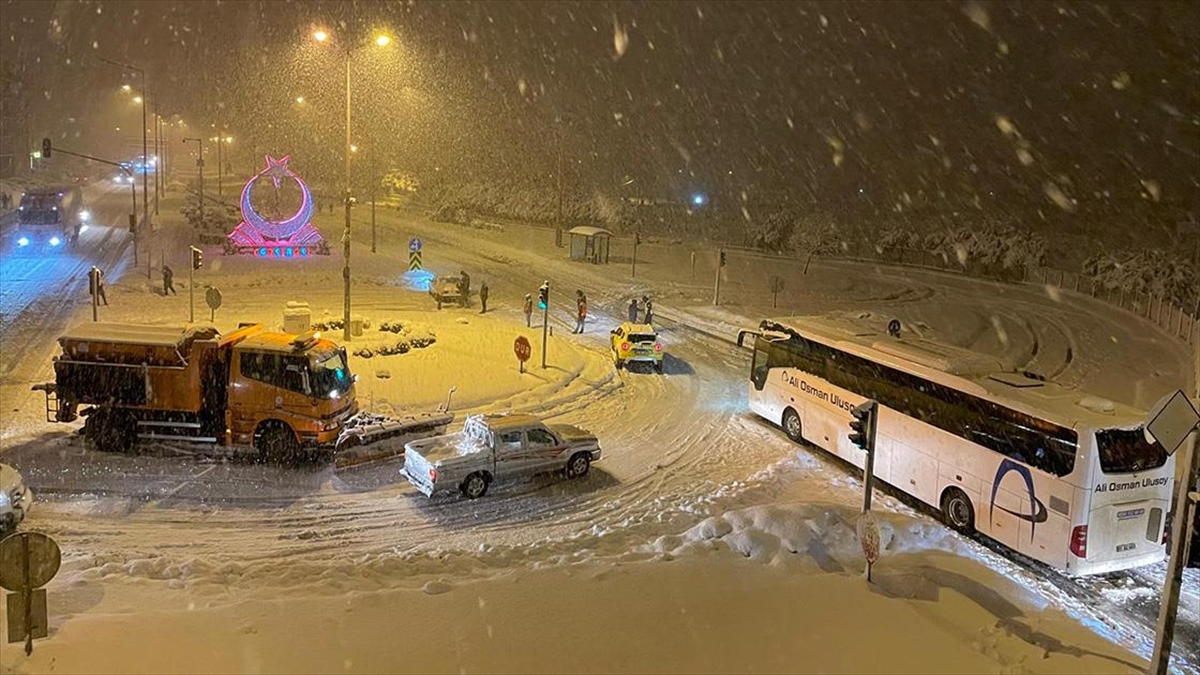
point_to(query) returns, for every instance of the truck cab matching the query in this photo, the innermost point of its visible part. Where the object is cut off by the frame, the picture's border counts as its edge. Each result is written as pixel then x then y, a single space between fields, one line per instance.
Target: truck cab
pixel 49 219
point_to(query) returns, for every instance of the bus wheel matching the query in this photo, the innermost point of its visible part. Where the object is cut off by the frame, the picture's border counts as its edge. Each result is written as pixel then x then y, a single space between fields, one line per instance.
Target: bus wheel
pixel 791 426
pixel 957 511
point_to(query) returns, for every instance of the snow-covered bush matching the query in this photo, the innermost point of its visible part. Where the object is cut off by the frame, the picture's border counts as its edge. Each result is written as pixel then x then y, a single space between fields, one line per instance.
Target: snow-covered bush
pixel 770 233
pixel 1154 272
pixel 219 219
pixel 995 251
pixel 895 242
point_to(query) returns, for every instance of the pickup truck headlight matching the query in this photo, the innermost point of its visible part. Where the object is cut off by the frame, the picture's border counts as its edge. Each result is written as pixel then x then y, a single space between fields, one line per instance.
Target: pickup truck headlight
pixel 5 500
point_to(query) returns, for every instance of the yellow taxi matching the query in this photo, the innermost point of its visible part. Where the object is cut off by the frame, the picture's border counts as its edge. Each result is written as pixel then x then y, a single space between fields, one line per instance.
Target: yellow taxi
pixel 632 342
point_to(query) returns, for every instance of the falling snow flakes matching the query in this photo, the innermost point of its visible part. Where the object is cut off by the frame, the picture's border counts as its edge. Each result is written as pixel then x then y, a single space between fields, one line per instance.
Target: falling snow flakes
pixel 1006 126
pixel 1060 198
pixel 1024 156
pixel 1121 81
pixel 1001 334
pixel 790 123
pixel 823 20
pixel 1153 190
pixel 978 15
pixel 95 44
pixel 620 39
pixel 839 149
pixel 1054 292
pixel 522 86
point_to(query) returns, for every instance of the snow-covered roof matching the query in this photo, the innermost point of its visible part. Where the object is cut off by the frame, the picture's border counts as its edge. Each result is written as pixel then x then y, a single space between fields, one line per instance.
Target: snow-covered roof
pixel 152 336
pixel 589 231
pixel 971 372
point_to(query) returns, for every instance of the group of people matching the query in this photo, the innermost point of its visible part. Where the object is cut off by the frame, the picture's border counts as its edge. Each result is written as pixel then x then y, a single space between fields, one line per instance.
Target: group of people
pixel 6 201
pixel 645 310
pixel 581 309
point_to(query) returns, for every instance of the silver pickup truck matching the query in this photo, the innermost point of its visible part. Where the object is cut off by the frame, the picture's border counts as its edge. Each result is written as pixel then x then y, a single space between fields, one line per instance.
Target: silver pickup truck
pixel 494 446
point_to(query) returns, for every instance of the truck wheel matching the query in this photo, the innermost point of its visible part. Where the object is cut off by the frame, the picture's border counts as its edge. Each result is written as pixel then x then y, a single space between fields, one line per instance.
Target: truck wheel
pixel 578 465
pixel 276 442
pixel 658 367
pixel 792 426
pixel 957 511
pixel 475 486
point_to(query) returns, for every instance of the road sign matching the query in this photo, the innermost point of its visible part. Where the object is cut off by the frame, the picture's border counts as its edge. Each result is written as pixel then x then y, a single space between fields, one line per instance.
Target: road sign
pixel 44 559
pixel 414 245
pixel 200 163
pixel 893 328
pixel 414 261
pixel 868 538
pixel 1171 420
pixel 213 297
pixel 38 626
pixel 523 350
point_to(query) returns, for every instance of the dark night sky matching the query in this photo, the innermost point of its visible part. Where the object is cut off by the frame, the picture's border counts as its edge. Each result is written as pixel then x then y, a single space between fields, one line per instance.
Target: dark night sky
pixel 913 109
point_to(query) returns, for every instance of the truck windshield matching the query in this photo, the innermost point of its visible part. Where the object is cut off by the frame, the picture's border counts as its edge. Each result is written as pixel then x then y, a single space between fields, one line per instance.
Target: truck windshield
pixel 330 374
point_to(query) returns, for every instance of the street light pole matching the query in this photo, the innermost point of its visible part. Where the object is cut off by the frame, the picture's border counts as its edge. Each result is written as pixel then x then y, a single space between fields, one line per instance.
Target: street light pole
pixel 199 163
pixel 346 231
pixel 145 159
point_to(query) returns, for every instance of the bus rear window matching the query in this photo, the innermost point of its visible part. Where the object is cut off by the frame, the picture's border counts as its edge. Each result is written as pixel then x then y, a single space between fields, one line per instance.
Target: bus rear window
pixel 1127 451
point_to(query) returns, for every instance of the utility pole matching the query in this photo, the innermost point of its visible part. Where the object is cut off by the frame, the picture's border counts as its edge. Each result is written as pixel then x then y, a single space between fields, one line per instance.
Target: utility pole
pixel 637 239
pixel 544 300
pixel 558 227
pixel 372 218
pixel 200 164
pixel 220 168
pixel 717 282
pixel 346 230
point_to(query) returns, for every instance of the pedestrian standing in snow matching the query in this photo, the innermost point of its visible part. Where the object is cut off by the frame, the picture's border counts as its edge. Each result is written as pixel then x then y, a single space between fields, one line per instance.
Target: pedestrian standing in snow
pixel 483 295
pixel 100 288
pixel 466 287
pixel 168 280
pixel 528 310
pixel 649 309
pixel 580 312
pixel 633 310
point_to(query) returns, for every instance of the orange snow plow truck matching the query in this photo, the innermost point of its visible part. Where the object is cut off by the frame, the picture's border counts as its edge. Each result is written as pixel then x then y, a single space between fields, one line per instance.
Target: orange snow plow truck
pixel 279 395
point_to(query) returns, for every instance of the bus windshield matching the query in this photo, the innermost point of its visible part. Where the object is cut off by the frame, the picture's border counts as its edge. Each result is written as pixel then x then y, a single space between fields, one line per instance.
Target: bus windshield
pixel 1128 451
pixel 330 374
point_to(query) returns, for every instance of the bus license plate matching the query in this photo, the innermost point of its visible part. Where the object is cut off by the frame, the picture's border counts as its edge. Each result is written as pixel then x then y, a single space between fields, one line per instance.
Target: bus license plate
pixel 1130 514
pixel 1126 547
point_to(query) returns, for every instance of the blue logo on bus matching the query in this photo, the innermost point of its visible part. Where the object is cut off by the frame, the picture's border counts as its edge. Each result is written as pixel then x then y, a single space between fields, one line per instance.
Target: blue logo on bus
pixel 1037 510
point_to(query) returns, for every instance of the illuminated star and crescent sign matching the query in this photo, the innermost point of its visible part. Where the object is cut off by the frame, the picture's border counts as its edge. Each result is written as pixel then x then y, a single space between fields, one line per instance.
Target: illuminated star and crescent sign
pixel 294 236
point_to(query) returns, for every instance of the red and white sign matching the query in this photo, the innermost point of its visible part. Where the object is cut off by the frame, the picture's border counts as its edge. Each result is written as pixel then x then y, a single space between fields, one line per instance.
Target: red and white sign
pixel 868 537
pixel 522 348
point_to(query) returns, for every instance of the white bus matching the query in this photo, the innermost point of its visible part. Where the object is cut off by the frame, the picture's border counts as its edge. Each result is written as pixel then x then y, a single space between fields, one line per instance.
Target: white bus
pixel 1064 478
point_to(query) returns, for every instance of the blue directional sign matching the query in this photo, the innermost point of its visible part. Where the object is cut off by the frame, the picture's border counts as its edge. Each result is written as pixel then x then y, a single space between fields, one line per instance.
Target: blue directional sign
pixel 414 245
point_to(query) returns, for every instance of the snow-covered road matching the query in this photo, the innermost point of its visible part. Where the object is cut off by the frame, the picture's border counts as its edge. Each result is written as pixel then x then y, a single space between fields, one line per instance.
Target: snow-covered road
pixel 679 448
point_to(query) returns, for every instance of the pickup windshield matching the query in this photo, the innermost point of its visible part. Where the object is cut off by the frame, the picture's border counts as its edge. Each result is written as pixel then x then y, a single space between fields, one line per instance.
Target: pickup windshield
pixel 330 374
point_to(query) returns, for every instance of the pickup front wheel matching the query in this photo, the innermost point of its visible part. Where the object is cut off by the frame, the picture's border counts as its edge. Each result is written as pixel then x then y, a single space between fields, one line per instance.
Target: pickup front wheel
pixel 578 465
pixel 474 486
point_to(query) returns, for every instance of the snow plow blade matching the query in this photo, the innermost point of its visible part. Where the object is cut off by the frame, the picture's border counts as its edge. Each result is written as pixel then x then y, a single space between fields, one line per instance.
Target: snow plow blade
pixel 368 437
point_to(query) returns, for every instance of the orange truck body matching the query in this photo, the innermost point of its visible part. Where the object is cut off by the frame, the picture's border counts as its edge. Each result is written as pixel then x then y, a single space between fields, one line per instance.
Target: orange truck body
pixel 191 383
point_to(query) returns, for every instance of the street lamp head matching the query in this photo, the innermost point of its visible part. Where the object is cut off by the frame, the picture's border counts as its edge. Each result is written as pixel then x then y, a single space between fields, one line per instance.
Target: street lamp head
pixel 320 35
pixel 137 99
pixel 353 148
pixel 126 88
pixel 383 40
pixel 229 139
pixel 299 99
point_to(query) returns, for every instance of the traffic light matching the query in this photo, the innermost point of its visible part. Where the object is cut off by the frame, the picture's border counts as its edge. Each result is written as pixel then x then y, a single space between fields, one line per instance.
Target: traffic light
pixel 862 426
pixel 45 148
pixel 637 238
pixel 197 258
pixel 722 258
pixel 544 295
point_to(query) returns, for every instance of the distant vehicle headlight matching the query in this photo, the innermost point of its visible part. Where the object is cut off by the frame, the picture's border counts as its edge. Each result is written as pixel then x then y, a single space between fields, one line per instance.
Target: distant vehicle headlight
pixel 82 229
pixel 23 241
pixel 55 241
pixel 84 215
pixel 5 500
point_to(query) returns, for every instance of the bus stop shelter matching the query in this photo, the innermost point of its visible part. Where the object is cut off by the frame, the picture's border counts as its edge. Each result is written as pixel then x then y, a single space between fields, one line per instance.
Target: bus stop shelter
pixel 590 244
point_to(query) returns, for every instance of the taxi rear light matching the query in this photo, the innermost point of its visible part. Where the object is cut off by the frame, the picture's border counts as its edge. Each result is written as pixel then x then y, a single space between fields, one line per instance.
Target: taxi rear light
pixel 624 346
pixel 658 346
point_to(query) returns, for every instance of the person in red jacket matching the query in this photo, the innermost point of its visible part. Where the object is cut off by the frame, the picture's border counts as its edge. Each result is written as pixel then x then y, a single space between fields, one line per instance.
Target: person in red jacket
pixel 580 311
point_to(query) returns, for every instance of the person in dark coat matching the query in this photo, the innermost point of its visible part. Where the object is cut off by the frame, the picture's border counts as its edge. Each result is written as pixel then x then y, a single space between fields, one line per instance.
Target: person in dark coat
pixel 99 290
pixel 528 309
pixel 633 310
pixel 483 296
pixel 465 289
pixel 168 280
pixel 649 304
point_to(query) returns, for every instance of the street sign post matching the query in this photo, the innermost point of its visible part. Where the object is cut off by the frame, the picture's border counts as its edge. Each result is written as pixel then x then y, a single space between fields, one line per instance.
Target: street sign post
pixel 213 297
pixel 1171 422
pixel 28 560
pixel 523 350
pixel 776 289
pixel 414 254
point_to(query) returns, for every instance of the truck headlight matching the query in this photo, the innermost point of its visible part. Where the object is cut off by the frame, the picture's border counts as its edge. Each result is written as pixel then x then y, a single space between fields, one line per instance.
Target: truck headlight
pixel 84 215
pixel 5 500
pixel 55 241
pixel 23 241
